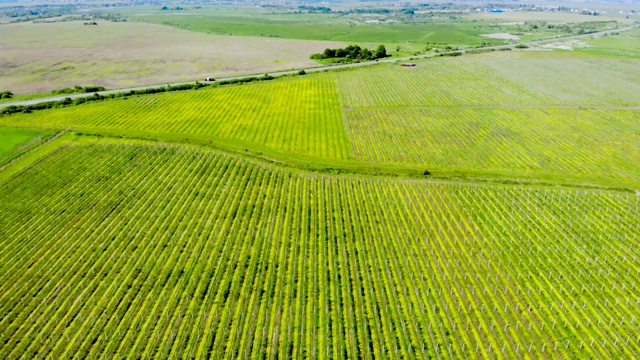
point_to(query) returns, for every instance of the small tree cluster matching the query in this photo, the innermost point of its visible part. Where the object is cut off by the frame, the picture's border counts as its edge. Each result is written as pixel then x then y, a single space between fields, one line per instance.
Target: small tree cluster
pixel 6 95
pixel 78 89
pixel 353 52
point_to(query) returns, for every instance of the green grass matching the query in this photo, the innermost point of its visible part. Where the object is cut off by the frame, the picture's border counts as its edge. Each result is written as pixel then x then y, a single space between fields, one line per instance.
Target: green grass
pixel 414 33
pixel 12 139
pixel 113 248
pixel 625 44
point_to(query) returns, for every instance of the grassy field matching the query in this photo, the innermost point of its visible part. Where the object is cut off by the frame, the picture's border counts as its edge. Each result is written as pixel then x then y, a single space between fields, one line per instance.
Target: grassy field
pixel 174 251
pixel 412 33
pixel 626 44
pixel 45 57
pixel 17 143
pixel 244 21
pixel 40 57
pixel 11 139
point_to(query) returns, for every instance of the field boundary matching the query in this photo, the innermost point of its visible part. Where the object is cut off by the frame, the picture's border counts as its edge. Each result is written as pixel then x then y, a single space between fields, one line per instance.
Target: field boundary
pixel 322 167
pixel 26 149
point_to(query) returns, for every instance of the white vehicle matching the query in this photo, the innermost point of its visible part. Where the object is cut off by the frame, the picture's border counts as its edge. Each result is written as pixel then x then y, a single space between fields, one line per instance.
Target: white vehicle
pixel 210 78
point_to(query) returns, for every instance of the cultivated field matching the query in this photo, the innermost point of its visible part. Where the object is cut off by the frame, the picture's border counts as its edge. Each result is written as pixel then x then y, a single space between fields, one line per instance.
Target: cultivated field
pixel 524 141
pixel 498 118
pixel 172 251
pixel 45 57
pixel 513 111
pixel 504 79
pixel 299 116
pixel 483 206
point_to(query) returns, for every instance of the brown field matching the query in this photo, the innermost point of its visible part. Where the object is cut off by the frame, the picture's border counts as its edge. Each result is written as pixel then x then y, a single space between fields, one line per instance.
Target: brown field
pixel 43 57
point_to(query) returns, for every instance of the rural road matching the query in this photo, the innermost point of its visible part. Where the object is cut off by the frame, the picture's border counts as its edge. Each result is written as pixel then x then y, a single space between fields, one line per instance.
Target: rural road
pixel 319 68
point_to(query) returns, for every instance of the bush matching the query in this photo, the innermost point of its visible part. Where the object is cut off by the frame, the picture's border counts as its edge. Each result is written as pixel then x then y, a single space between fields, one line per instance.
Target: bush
pixel 302 72
pixel 6 95
pixel 63 91
pixel 88 89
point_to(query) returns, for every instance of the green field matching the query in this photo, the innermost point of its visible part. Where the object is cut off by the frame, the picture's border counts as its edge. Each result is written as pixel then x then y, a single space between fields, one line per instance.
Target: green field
pixel 626 44
pixel 173 251
pixel 477 207
pixel 11 138
pixel 412 33
pixel 300 116
pixel 16 142
pixel 505 115
pixel 329 28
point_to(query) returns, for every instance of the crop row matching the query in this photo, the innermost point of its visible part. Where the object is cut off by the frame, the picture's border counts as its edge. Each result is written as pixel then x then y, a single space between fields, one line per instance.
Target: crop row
pixel 169 251
pixel 550 140
pixel 495 79
pixel 300 116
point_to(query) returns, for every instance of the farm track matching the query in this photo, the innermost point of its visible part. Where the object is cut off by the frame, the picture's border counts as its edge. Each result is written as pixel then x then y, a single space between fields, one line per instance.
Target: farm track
pixel 192 253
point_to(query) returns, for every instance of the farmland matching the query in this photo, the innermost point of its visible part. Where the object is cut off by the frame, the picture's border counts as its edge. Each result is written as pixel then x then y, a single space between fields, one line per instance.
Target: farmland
pixel 484 206
pixel 245 259
pixel 387 117
pixel 299 116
